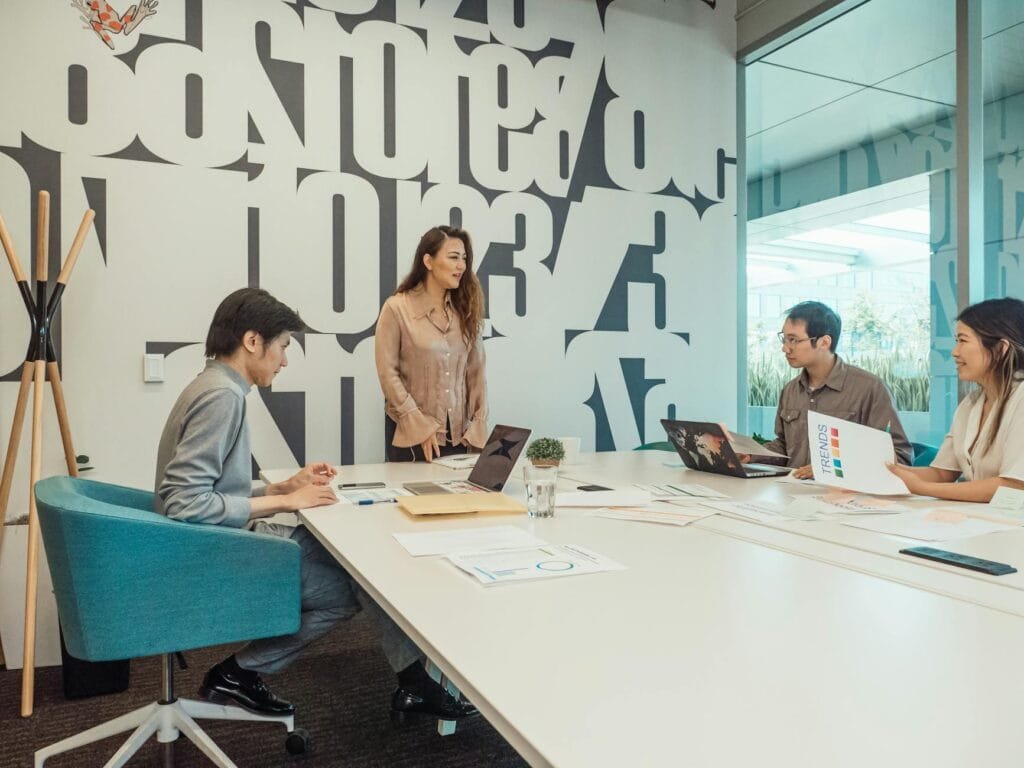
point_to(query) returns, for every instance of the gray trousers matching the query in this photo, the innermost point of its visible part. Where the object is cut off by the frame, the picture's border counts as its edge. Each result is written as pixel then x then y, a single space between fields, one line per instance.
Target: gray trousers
pixel 329 596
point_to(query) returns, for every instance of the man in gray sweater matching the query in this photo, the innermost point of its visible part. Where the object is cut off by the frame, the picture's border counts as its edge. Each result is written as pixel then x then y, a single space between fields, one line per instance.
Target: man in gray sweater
pixel 204 476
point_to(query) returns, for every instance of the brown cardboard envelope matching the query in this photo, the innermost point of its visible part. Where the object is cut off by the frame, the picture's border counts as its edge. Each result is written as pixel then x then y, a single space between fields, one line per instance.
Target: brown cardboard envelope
pixel 459 503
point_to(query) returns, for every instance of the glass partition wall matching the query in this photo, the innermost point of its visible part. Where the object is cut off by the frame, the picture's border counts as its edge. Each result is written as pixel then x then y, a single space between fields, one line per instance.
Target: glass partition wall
pixel 1003 89
pixel 851 169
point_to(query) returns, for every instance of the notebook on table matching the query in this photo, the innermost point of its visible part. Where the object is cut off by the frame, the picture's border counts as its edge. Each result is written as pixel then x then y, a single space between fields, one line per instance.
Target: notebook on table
pixel 705 447
pixel 492 468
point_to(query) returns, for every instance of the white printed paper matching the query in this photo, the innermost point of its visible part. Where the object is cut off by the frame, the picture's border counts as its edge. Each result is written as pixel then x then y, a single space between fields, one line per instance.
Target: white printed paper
pixel 796 480
pixel 546 562
pixel 458 486
pixel 852 456
pixel 689 501
pixel 623 497
pixel 665 491
pixel 752 510
pixel 452 541
pixel 841 503
pixel 458 461
pixel 659 515
pixel 1008 502
pixel 744 444
pixel 360 496
pixel 937 524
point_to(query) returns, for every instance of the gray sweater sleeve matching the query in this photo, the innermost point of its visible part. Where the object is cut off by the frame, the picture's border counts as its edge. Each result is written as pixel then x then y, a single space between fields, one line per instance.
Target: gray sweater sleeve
pixel 210 430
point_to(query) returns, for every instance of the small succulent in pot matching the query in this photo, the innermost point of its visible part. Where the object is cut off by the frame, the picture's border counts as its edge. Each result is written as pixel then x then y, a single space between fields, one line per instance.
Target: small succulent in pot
pixel 546 452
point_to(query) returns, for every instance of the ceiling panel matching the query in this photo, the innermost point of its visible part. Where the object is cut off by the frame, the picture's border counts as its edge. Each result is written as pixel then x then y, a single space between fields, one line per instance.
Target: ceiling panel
pixel 775 95
pixel 865 115
pixel 804 101
pixel 1000 14
pixel 934 80
pixel 875 41
pixel 1003 62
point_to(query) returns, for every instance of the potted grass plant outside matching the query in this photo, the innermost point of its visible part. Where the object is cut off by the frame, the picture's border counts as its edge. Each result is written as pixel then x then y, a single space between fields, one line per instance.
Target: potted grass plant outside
pixel 546 452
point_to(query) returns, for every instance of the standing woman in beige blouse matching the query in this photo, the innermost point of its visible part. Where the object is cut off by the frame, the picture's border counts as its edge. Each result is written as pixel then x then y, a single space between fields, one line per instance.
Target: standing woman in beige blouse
pixel 430 358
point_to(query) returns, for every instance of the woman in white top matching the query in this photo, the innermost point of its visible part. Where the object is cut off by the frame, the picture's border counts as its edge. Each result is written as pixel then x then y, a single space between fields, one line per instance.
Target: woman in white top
pixel 985 444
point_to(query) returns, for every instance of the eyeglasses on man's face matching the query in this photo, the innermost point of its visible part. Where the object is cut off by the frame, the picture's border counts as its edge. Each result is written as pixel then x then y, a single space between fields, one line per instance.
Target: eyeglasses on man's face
pixel 792 341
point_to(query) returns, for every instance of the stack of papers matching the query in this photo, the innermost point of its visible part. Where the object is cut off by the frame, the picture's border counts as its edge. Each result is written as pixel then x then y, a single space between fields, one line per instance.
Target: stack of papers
pixel 545 562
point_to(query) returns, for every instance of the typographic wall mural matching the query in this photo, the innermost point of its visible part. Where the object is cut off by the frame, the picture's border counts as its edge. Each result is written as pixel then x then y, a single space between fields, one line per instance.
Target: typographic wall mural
pixel 303 147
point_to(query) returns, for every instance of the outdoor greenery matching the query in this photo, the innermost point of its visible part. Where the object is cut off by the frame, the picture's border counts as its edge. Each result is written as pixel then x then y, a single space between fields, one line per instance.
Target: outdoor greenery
pixel 894 347
pixel 906 378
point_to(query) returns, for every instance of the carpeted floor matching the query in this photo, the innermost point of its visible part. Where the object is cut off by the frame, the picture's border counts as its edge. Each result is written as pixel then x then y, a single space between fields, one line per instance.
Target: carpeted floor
pixel 341 688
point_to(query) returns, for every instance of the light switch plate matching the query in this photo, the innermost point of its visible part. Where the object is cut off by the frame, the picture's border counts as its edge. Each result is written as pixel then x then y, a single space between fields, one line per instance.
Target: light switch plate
pixel 152 367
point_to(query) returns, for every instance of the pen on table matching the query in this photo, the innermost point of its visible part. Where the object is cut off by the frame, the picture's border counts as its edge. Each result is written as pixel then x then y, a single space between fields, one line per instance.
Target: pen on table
pixel 360 485
pixel 364 502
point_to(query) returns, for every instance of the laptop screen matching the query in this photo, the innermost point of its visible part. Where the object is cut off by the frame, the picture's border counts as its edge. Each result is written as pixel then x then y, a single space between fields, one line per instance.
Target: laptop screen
pixel 498 457
pixel 703 446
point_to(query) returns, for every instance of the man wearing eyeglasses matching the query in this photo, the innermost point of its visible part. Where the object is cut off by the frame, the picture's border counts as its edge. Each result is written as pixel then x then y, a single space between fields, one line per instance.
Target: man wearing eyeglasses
pixel 827 385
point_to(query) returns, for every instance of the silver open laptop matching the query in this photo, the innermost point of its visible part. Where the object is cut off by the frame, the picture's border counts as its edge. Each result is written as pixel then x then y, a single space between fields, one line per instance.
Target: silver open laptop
pixel 491 471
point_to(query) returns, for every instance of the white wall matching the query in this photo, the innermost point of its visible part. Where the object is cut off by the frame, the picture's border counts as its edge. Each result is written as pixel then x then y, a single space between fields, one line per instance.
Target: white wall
pixel 611 253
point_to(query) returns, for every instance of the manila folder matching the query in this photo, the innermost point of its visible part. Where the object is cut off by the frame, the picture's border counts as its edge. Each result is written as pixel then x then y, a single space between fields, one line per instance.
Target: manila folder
pixel 459 503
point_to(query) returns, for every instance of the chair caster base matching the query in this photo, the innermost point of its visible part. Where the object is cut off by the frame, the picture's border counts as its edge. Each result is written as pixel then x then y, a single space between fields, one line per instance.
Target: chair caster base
pixel 297 742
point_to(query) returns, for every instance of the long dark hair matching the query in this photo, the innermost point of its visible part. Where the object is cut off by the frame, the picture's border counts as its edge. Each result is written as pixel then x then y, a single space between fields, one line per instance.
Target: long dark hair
pixel 995 321
pixel 468 298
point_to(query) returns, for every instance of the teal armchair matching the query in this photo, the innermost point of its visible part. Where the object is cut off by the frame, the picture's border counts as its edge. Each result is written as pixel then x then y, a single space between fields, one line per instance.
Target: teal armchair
pixel 130 582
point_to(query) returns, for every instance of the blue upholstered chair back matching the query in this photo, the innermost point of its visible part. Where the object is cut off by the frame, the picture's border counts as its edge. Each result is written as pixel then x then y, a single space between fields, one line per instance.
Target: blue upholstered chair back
pixel 663 445
pixel 130 582
pixel 924 454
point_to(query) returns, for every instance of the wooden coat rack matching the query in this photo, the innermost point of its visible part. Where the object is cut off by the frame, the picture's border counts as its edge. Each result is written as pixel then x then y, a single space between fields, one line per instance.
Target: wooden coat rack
pixel 40 364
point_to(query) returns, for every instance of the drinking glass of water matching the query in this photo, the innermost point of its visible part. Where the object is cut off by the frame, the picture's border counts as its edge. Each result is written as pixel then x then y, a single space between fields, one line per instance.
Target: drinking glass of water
pixel 540 490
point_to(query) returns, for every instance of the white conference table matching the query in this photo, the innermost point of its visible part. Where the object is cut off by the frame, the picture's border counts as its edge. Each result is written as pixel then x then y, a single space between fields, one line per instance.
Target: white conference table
pixel 724 643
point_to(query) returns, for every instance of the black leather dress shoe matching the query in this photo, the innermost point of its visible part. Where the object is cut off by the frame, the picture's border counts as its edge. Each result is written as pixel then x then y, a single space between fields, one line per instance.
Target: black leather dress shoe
pixel 426 698
pixel 223 685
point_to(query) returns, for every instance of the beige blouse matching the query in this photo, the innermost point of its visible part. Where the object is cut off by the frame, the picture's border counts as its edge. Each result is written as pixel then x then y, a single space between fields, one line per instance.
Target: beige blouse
pixel 1004 458
pixel 428 374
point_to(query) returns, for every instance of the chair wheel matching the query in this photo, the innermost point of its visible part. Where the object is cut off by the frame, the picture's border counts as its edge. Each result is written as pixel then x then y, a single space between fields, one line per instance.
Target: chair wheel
pixel 297 741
